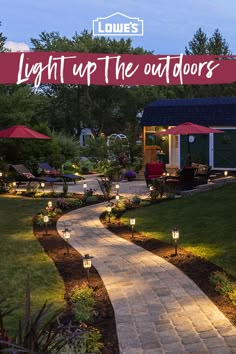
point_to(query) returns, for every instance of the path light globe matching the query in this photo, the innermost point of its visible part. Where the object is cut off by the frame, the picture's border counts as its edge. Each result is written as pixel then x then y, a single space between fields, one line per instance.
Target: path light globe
pixel 175 234
pixel 50 204
pixel 117 197
pixel 132 221
pixel 225 173
pixel 85 185
pixel 45 219
pixel 117 186
pixel 66 234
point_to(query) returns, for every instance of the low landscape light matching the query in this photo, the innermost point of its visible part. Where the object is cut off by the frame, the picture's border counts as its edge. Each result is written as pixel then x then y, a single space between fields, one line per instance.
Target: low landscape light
pixel 132 222
pixel 117 187
pixel 109 209
pixel 42 185
pixel 49 204
pixel 46 221
pixel 225 173
pixel 0 174
pixel 66 236
pixel 117 198
pixel 85 187
pixel 151 188
pixel 87 264
pixel 175 236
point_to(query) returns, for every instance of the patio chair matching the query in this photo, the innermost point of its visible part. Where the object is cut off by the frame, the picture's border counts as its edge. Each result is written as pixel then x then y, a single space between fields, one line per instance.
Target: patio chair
pixel 184 180
pixel 24 175
pixel 202 173
pixel 152 171
pixel 47 170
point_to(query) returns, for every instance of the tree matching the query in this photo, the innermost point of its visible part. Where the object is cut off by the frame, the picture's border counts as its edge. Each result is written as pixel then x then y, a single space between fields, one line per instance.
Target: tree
pixel 2 41
pixel 198 45
pixel 217 44
pixel 201 44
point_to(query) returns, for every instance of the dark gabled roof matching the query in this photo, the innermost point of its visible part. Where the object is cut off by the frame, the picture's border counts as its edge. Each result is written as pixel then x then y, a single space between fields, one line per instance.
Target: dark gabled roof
pixel 213 111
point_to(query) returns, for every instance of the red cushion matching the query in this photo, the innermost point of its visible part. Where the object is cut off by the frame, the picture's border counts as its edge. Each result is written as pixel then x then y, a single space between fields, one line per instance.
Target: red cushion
pixel 154 168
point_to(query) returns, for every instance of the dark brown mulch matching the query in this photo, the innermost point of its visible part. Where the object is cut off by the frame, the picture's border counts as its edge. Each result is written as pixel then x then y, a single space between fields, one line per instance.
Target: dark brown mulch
pixel 195 267
pixel 71 269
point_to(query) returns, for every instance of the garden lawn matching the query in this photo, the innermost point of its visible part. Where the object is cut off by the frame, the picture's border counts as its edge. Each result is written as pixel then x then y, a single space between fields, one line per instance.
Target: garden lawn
pixel 206 221
pixel 20 254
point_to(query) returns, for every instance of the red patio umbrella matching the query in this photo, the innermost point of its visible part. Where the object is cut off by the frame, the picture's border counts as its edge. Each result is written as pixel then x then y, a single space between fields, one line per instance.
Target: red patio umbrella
pixel 187 129
pixel 21 132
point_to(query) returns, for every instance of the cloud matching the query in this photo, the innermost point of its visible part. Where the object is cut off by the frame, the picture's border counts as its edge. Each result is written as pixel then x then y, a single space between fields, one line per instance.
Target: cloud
pixel 17 46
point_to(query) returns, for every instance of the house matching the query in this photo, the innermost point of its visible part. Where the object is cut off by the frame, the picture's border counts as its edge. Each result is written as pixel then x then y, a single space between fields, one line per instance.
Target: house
pixel 217 150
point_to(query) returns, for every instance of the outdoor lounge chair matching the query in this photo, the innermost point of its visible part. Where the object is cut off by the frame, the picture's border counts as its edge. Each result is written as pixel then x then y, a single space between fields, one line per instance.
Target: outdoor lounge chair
pixel 184 180
pixel 152 171
pixel 202 173
pixel 48 170
pixel 24 175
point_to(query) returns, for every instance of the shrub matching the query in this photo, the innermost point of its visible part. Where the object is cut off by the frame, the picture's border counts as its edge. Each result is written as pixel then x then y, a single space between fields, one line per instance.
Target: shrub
pixel 222 284
pixel 91 199
pixel 83 299
pixel 136 199
pixel 75 203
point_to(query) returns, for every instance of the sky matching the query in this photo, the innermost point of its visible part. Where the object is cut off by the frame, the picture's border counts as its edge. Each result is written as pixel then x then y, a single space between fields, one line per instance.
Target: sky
pixel 168 24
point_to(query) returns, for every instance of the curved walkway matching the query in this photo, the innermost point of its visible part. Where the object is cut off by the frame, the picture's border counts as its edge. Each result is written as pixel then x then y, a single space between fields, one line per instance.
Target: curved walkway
pixel 157 308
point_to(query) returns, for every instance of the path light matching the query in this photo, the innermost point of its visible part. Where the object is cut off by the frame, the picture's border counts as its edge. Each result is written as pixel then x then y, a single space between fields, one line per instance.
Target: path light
pixel 87 264
pixel 46 221
pixel 14 185
pixel 132 223
pixel 175 236
pixel 0 174
pixel 151 188
pixel 117 198
pixel 109 208
pixel 117 187
pixel 49 204
pixel 42 185
pixel 225 173
pixel 85 187
pixel 66 236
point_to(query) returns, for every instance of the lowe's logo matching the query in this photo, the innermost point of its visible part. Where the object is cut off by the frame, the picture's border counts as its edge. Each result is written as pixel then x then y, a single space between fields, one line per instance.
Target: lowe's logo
pixel 118 24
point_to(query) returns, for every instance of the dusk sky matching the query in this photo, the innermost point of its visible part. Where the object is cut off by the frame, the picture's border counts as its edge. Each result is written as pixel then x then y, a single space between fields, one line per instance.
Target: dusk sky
pixel 168 25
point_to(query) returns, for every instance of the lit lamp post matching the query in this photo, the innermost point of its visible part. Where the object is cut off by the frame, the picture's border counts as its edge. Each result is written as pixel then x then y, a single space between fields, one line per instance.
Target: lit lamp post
pixel 49 204
pixel 151 188
pixel 85 187
pixel 225 173
pixel 46 221
pixel 175 236
pixel 117 187
pixel 13 185
pixel 132 223
pixel 87 264
pixel 42 185
pixel 66 236
pixel 109 212
pixel 0 174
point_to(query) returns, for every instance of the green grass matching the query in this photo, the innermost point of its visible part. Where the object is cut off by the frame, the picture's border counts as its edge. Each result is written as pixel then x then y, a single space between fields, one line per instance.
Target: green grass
pixel 206 221
pixel 20 254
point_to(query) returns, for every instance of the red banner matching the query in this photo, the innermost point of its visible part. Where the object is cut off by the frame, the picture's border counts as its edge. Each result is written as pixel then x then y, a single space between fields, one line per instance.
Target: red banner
pixel 115 69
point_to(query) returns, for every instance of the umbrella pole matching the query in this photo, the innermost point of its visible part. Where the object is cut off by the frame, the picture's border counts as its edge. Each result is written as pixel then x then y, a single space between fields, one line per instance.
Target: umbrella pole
pixel 189 156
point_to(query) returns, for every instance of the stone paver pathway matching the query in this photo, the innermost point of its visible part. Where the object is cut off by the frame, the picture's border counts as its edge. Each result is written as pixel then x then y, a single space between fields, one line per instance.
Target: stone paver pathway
pixel 157 308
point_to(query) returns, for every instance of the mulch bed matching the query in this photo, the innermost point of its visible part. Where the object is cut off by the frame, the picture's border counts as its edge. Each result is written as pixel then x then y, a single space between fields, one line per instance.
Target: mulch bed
pixel 70 267
pixel 196 268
